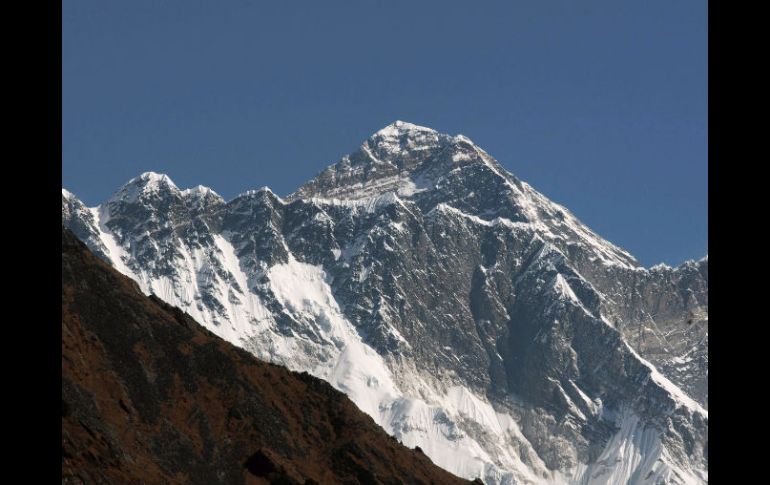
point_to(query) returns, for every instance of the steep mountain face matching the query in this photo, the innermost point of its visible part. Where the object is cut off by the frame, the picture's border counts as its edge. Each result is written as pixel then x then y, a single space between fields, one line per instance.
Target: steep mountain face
pixel 149 396
pixel 461 309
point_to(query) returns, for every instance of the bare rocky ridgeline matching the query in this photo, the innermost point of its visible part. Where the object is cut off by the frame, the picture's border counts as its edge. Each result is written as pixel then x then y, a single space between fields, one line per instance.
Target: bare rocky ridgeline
pixel 460 308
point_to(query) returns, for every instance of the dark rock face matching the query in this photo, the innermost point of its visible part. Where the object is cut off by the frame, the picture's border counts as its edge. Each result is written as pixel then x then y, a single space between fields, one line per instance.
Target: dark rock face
pixel 149 396
pixel 511 341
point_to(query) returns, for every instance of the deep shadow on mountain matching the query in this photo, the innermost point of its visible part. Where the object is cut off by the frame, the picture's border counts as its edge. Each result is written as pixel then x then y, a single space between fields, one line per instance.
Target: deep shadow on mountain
pixel 149 396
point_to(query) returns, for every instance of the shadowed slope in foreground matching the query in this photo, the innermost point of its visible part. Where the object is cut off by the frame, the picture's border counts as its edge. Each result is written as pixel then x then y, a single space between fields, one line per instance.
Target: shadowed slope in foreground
pixel 150 396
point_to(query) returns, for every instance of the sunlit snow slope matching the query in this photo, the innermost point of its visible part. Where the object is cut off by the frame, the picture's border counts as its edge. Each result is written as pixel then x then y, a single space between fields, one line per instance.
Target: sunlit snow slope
pixel 461 309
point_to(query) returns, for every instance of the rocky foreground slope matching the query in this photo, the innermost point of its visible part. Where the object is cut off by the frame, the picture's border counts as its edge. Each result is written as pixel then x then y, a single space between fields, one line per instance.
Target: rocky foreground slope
pixel 460 308
pixel 149 396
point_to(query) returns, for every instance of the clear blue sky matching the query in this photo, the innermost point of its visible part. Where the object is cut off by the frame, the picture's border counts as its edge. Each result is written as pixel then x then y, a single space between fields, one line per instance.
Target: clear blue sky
pixel 602 106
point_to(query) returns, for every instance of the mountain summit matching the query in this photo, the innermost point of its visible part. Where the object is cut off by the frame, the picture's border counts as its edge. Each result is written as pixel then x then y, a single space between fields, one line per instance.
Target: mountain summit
pixel 436 171
pixel 401 157
pixel 460 308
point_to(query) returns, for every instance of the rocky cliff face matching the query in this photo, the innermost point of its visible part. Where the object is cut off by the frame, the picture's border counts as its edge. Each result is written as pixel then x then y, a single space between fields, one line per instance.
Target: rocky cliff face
pixel 460 308
pixel 149 396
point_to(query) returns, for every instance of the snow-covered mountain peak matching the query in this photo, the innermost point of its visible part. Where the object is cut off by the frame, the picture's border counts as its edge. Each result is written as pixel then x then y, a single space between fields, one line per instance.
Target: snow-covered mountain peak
pixel 401 137
pixel 145 184
pixel 430 168
pixel 394 143
pixel 152 179
pixel 200 194
pixel 199 190
pixel 399 128
pixel 462 309
pixel 402 157
pixel 264 194
pixel 155 190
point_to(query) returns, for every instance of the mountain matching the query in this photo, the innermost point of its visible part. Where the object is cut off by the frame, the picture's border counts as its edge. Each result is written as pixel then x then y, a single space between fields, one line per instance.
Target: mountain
pixel 150 396
pixel 460 308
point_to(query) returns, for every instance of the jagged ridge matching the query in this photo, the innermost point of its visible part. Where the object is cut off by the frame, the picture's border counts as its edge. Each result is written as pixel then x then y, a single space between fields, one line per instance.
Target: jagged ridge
pixel 460 308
